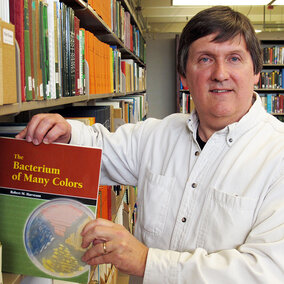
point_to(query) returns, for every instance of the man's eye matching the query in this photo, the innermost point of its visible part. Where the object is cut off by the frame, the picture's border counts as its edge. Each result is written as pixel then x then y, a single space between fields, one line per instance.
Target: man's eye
pixel 235 59
pixel 204 59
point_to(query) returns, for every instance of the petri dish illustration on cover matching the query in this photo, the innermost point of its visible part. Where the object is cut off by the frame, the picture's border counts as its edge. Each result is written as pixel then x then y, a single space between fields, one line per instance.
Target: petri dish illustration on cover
pixel 52 237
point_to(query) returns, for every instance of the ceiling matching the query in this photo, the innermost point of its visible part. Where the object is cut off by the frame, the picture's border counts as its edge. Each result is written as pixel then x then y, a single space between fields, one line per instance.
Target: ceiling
pixel 159 16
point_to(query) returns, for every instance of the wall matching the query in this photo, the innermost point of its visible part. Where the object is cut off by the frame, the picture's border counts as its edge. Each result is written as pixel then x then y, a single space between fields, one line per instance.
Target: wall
pixel 161 72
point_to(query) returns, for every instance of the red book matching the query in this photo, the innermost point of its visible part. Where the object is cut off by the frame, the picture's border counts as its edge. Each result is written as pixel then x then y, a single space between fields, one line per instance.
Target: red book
pixel 77 54
pixel 104 202
pixel 17 19
pixel 48 193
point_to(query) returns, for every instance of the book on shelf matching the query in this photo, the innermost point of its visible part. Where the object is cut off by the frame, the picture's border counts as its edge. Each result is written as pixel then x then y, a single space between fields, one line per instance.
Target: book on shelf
pixel 31 19
pixel 273 102
pixel 47 194
pixel 273 54
pixel 28 72
pixel 48 44
pixel 271 79
pixel 17 19
pixel 8 86
pixel 11 129
pixel 100 113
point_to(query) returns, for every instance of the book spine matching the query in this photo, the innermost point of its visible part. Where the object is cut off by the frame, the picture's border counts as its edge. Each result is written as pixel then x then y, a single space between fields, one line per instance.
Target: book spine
pixel 71 48
pixel 77 55
pixel 17 18
pixel 56 54
pixel 38 48
pixel 46 50
pixel 28 75
pixel 31 33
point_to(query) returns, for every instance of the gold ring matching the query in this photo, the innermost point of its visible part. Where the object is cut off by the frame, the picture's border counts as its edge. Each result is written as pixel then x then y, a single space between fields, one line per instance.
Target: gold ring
pixel 104 247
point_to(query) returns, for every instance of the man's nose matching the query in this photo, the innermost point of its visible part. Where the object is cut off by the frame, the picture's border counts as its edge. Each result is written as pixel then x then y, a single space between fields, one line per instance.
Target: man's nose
pixel 220 71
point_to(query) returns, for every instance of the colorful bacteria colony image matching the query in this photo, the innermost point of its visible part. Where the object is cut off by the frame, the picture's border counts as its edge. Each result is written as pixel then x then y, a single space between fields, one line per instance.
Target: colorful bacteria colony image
pixel 52 237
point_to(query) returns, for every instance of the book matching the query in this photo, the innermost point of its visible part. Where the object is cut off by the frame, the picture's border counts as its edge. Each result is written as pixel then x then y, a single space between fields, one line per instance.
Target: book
pixel 32 41
pixel 101 113
pixel 28 74
pixel 11 129
pixel 17 19
pixel 39 84
pixel 45 201
pixel 52 34
pixel 8 86
pixel 77 54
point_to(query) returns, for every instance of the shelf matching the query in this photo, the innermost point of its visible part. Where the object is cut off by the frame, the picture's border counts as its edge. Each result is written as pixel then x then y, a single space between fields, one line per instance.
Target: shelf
pixel 9 278
pixel 278 114
pixel 26 106
pixel 271 65
pixel 270 90
pixel 91 21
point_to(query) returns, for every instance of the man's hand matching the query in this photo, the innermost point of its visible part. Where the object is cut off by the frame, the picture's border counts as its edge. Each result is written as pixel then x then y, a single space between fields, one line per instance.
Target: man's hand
pixel 112 243
pixel 46 128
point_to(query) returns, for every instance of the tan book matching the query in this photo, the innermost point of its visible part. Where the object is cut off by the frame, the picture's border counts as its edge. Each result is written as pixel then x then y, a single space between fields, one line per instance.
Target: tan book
pixel 8 86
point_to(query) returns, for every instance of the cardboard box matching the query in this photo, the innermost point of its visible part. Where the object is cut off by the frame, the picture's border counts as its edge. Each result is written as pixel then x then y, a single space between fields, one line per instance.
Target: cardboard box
pixel 8 83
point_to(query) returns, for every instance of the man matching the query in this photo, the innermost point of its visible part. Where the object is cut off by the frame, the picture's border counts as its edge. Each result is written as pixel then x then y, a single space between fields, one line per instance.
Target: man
pixel 210 185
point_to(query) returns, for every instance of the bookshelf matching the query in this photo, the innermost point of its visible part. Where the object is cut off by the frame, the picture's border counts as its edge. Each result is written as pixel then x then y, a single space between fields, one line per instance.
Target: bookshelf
pixel 90 21
pixel 271 83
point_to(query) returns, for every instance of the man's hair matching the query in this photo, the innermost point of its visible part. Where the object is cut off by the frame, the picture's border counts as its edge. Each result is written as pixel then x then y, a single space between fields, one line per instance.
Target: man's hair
pixel 227 24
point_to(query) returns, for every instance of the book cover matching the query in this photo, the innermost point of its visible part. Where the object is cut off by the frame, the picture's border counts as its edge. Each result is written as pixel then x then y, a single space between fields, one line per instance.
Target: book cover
pixel 47 195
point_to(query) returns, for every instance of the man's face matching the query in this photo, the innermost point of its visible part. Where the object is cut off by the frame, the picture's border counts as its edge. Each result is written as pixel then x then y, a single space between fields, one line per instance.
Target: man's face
pixel 220 78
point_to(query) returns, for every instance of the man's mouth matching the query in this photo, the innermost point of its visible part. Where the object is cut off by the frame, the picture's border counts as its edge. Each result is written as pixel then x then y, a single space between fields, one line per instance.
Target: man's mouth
pixel 220 91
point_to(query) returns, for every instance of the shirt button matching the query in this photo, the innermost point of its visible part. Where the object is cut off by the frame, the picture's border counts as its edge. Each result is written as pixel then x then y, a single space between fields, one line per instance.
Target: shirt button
pixel 231 140
pixel 194 185
pixel 196 153
pixel 183 219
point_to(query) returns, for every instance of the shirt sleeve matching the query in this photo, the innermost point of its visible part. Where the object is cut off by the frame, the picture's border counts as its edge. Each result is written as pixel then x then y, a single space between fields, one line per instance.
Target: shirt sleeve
pixel 120 156
pixel 258 260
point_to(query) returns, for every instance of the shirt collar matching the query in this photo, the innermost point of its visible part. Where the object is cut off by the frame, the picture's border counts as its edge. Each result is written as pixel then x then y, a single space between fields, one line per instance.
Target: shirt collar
pixel 235 130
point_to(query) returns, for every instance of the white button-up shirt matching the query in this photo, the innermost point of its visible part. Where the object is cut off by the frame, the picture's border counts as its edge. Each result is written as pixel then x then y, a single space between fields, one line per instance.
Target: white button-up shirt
pixel 211 216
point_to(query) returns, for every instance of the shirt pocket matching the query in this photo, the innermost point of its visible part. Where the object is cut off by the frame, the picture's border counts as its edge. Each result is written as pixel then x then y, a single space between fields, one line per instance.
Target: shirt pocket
pixel 227 220
pixel 156 197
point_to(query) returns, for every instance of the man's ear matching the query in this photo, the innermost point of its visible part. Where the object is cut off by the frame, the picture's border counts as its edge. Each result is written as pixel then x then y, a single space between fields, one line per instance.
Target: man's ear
pixel 183 81
pixel 256 78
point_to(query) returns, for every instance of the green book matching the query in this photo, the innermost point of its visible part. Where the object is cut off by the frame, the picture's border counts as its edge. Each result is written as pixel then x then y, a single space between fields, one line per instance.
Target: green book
pixel 34 48
pixel 64 38
pixel 46 49
pixel 28 73
pixel 71 48
pixel 41 48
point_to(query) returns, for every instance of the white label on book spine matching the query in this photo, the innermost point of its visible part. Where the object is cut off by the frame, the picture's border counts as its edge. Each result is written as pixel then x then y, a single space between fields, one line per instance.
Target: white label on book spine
pixel 30 84
pixel 41 90
pixel 8 36
pixel 57 78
